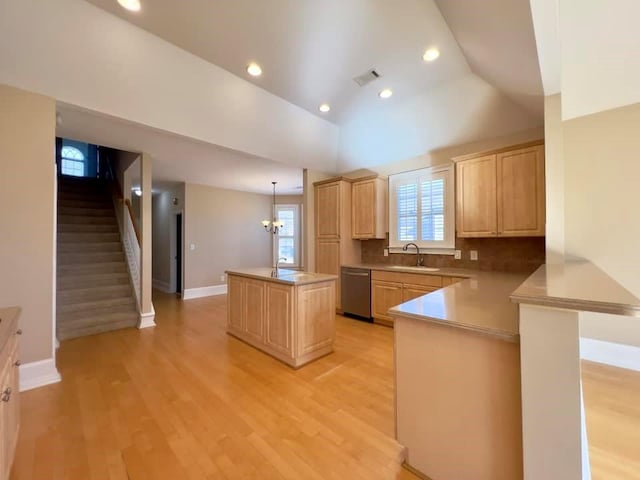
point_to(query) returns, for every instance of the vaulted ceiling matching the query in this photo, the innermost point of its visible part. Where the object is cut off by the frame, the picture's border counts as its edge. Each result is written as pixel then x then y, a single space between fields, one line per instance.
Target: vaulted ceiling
pixel 171 80
pixel 310 51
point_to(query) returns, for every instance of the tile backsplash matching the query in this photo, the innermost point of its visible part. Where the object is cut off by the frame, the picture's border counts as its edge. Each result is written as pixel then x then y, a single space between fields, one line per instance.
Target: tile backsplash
pixel 521 255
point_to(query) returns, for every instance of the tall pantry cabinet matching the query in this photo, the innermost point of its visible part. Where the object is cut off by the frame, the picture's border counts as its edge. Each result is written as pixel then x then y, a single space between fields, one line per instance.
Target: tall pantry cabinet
pixel 334 243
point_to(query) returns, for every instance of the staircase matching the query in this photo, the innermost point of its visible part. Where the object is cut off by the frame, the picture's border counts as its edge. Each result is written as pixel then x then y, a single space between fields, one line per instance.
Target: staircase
pixel 94 291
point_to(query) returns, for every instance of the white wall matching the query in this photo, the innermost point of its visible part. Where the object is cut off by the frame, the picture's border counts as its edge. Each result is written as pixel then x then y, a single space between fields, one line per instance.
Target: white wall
pixel 27 217
pixel 554 173
pixel 81 55
pixel 602 195
pixel 396 131
pixel 164 235
pixel 225 228
pixel 600 48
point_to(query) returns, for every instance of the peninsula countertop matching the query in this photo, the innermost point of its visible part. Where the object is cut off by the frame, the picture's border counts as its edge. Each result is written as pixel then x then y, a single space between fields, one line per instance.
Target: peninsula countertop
pixel 577 285
pixel 480 303
pixel 288 277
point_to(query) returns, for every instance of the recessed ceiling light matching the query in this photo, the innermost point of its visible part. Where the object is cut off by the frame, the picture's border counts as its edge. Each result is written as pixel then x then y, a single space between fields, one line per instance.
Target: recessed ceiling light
pixel 431 54
pixel 254 69
pixel 131 5
pixel 324 108
pixel 386 93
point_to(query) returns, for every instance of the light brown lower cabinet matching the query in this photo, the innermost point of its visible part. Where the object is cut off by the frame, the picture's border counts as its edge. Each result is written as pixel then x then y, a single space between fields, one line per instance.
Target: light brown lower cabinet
pixel 9 385
pixel 389 289
pixel 293 323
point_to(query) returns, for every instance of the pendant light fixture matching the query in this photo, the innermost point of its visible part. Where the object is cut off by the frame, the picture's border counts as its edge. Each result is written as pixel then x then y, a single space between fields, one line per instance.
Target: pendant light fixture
pixel 275 225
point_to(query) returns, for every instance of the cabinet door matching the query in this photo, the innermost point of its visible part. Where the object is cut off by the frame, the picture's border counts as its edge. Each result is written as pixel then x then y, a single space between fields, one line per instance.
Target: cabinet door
pixel 409 292
pixel 5 383
pixel 316 317
pixel 363 209
pixel 476 210
pixel 235 301
pixel 384 295
pixel 521 193
pixel 12 409
pixel 254 308
pixel 328 261
pixel 327 211
pixel 279 318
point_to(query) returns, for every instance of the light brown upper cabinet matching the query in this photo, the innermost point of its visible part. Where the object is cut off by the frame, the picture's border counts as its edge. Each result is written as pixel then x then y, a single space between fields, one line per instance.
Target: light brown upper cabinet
pixel 369 209
pixel 501 193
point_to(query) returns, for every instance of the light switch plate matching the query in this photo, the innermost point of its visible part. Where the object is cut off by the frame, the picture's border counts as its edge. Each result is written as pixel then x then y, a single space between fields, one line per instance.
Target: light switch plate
pixel 192 246
pixel 474 255
pixel 385 252
pixel 458 255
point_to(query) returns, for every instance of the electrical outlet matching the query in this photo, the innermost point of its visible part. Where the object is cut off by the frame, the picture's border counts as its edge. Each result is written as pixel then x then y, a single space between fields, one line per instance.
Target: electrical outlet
pixel 192 246
pixel 458 255
pixel 385 252
pixel 474 255
pixel 223 277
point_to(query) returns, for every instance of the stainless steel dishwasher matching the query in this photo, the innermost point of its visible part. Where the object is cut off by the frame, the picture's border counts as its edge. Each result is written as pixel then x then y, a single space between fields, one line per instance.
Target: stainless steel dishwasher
pixel 356 292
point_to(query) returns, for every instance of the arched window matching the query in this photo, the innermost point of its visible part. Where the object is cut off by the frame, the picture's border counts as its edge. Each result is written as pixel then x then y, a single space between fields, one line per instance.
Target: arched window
pixel 72 161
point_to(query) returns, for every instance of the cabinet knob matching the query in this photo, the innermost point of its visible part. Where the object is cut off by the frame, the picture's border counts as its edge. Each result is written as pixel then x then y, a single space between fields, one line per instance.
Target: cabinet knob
pixel 18 363
pixel 19 332
pixel 6 395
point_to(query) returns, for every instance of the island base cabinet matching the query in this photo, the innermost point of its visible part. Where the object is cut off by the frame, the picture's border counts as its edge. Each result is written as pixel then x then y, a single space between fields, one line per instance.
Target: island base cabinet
pixel 280 327
pixel 459 417
pixel 293 323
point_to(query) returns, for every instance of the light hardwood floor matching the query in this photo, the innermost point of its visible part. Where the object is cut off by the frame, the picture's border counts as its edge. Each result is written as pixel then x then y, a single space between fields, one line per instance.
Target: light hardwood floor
pixel 186 401
pixel 612 404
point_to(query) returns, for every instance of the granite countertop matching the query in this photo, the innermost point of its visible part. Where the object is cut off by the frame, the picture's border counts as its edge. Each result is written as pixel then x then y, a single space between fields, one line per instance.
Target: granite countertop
pixel 289 277
pixel 578 285
pixel 480 304
pixel 442 271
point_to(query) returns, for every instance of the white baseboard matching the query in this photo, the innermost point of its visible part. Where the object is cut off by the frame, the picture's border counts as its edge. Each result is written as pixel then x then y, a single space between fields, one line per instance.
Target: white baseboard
pixel 609 353
pixel 190 293
pixel 162 285
pixel 38 374
pixel 147 319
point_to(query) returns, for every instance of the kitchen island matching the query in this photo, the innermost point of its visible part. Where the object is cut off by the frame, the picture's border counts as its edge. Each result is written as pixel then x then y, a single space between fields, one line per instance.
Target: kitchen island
pixel 457 369
pixel 289 315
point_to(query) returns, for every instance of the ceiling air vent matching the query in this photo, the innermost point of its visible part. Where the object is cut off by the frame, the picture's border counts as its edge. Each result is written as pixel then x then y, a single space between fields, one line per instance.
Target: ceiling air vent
pixel 367 77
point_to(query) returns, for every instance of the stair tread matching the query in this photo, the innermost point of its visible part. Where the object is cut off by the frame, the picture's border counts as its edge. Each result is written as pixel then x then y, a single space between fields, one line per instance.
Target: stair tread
pixel 89 306
pixel 71 332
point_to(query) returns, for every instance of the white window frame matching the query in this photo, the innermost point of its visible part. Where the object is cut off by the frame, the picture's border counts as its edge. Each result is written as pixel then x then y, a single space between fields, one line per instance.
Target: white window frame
pixel 445 247
pixel 76 159
pixel 296 237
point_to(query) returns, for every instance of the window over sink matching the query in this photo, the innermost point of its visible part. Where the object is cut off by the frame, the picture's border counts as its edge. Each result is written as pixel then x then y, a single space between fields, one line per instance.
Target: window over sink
pixel 422 209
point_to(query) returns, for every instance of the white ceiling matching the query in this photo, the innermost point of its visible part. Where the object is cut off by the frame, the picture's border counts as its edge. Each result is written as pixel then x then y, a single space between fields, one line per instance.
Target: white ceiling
pixel 180 159
pixel 485 84
pixel 498 40
pixel 310 50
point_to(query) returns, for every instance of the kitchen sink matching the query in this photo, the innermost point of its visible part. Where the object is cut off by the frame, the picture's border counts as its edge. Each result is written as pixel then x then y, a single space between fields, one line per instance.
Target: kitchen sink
pixel 417 269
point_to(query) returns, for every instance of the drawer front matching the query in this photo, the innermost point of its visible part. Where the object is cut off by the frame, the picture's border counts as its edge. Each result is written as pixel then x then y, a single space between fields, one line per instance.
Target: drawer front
pixel 409 292
pixel 412 278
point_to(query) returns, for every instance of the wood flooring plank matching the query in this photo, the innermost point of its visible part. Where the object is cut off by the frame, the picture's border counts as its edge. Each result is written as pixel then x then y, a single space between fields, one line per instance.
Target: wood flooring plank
pixel 186 401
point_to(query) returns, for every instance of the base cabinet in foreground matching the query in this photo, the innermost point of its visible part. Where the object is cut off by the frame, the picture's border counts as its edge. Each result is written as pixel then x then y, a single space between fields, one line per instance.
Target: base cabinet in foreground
pixel 293 323
pixel 9 385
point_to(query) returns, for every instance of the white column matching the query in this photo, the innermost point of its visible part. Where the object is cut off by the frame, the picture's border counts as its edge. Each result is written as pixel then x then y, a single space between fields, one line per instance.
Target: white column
pixel 554 436
pixel 147 312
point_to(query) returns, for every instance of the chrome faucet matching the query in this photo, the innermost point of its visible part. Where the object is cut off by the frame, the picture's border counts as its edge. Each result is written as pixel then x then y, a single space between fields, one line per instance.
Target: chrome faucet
pixel 419 257
pixel 274 273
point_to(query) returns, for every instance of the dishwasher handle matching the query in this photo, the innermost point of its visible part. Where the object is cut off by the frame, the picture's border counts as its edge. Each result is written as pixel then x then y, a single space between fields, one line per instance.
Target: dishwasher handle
pixel 355 274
